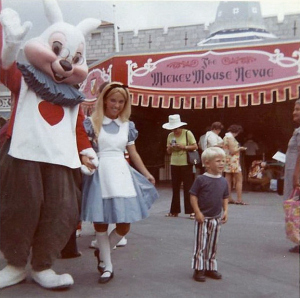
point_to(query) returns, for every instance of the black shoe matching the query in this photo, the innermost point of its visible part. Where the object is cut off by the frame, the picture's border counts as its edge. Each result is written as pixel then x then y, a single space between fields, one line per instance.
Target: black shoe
pixel 295 249
pixel 100 266
pixel 103 280
pixel 199 275
pixel 213 274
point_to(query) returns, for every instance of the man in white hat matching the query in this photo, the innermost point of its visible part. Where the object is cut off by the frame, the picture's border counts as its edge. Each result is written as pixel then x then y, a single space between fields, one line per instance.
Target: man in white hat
pixel 180 141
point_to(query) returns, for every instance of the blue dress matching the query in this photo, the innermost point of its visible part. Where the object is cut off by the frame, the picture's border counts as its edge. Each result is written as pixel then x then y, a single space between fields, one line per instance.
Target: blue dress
pixel 115 193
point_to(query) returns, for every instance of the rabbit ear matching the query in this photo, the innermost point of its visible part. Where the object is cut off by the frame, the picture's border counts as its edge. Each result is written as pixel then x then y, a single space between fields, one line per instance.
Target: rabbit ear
pixel 52 11
pixel 88 25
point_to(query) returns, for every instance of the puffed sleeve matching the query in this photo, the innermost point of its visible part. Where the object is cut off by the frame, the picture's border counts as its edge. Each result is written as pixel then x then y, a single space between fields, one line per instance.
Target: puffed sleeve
pixel 87 123
pixel 132 134
pixel 88 126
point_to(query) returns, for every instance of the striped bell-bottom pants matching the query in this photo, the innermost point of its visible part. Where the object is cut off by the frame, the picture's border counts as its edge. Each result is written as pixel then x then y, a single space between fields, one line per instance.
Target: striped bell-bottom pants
pixel 205 246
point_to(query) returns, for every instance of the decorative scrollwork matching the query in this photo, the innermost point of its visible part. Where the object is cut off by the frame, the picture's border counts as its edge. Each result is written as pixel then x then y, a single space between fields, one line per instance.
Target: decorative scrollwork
pixel 238 60
pixel 175 65
pixel 281 60
pixel 140 72
pixel 106 74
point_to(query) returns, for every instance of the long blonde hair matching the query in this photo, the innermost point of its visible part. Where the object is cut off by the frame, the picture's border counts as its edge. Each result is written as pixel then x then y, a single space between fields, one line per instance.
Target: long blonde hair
pixel 99 112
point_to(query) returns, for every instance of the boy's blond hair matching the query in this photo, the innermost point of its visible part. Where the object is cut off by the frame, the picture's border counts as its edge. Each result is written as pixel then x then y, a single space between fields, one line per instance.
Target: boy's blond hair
pixel 211 153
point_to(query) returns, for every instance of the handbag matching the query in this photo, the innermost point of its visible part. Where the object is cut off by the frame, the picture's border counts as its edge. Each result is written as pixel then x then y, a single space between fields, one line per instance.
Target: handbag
pixel 193 157
pixel 292 216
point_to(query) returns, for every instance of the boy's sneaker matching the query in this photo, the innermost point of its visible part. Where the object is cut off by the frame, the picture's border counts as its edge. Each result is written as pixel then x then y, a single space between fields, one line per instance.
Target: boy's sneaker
pixel 199 275
pixel 213 274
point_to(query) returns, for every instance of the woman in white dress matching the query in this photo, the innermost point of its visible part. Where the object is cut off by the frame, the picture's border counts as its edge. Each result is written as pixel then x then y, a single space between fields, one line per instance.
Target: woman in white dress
pixel 115 193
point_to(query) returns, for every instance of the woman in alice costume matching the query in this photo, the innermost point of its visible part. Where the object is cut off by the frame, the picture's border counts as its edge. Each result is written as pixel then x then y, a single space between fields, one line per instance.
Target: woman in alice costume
pixel 115 193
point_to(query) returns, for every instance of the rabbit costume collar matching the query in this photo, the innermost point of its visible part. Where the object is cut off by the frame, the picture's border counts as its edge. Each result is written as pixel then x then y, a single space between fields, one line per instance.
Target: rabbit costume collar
pixel 60 94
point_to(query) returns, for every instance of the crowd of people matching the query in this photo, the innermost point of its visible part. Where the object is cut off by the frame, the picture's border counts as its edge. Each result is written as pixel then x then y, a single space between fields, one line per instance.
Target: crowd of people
pixel 208 196
pixel 211 192
pixel 181 172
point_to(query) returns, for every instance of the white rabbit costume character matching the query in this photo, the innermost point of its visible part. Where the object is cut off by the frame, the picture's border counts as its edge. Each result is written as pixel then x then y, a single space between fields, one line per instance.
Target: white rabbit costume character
pixel 45 138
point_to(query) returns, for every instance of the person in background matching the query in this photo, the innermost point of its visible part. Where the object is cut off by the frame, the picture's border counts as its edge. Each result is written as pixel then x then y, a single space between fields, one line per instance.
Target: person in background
pixel 209 197
pixel 212 138
pixel 180 141
pixel 115 192
pixel 251 151
pixel 233 170
pixel 201 148
pixel 201 143
pixel 292 163
pixel 259 175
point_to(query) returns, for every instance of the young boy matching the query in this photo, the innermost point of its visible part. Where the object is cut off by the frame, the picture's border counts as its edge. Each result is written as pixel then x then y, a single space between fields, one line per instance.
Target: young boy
pixel 209 195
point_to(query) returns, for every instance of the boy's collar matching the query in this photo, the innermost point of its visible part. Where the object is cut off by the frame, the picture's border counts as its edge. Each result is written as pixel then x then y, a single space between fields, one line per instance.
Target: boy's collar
pixel 212 176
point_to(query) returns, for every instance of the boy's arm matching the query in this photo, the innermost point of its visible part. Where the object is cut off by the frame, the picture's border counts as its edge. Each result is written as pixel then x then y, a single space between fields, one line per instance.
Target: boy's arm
pixel 198 214
pixel 225 211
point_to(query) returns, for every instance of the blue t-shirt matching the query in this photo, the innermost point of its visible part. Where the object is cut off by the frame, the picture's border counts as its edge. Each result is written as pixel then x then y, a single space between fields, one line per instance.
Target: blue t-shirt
pixel 210 191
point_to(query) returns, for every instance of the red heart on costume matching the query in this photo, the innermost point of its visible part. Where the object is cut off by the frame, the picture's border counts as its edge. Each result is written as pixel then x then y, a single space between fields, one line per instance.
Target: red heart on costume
pixel 53 114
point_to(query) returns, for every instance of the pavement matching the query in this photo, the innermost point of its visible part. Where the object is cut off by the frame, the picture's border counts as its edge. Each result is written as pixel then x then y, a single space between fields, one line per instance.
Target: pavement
pixel 253 257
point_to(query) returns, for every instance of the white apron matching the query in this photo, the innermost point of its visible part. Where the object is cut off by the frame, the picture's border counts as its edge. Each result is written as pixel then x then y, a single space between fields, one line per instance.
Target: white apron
pixel 115 177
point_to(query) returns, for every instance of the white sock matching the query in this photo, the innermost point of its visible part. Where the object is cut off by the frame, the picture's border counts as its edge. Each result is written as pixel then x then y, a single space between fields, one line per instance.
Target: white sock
pixel 114 238
pixel 104 247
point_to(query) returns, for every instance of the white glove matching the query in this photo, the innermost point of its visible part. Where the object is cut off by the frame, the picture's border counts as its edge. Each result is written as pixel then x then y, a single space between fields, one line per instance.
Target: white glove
pixel 89 152
pixel 14 33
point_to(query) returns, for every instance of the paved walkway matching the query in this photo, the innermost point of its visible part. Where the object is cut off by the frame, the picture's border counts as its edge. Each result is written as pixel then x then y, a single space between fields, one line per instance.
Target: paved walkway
pixel 253 258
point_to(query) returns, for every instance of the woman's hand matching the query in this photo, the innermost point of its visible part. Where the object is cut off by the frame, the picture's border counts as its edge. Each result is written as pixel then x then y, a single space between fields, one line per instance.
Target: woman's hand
pixel 180 146
pixel 151 179
pixel 87 162
pixel 186 147
pixel 175 147
pixel 169 149
pixel 137 161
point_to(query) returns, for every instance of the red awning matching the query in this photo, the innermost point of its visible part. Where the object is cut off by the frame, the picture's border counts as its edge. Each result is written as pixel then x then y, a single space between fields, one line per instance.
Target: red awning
pixel 203 79
pixel 217 99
